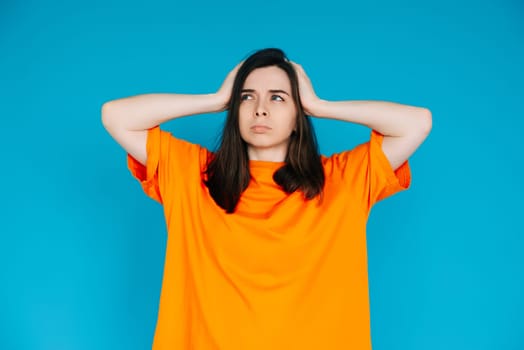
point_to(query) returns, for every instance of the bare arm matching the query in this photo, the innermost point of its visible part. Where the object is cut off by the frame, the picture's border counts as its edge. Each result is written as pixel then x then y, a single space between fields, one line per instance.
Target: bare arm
pixel 142 112
pixel 128 119
pixel 404 127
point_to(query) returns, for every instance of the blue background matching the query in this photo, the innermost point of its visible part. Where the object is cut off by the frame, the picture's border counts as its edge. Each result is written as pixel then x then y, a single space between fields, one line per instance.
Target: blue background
pixel 82 247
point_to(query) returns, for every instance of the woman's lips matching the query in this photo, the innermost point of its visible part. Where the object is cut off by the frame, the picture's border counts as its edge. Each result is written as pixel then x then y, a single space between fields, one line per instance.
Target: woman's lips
pixel 260 129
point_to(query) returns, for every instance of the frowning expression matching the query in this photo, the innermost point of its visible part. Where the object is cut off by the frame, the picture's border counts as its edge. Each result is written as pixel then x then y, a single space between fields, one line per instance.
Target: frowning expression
pixel 267 113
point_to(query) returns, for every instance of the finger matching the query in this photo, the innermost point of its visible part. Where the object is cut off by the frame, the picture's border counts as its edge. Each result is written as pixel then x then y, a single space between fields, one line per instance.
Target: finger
pixel 299 69
pixel 239 64
pixel 237 67
pixel 296 65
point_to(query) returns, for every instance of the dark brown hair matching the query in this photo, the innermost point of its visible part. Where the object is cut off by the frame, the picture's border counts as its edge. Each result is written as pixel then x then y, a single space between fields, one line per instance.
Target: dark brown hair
pixel 227 174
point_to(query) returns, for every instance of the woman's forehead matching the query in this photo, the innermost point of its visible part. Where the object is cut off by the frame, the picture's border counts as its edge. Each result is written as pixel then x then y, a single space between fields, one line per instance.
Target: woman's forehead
pixel 267 78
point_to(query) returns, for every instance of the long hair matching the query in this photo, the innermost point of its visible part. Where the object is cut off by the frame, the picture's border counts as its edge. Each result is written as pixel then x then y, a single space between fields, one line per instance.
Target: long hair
pixel 227 174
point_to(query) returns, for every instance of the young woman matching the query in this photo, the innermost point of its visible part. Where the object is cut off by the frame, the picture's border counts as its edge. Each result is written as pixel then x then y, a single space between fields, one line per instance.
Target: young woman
pixel 266 240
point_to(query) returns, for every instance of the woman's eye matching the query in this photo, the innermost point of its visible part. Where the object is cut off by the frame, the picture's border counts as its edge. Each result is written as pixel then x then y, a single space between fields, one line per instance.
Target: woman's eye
pixel 278 98
pixel 245 97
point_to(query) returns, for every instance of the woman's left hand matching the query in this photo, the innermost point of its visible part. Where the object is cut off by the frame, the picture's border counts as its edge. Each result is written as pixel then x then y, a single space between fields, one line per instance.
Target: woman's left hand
pixel 308 97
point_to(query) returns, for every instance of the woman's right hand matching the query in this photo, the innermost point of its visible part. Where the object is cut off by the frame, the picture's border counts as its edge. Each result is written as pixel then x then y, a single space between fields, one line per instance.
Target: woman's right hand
pixel 224 93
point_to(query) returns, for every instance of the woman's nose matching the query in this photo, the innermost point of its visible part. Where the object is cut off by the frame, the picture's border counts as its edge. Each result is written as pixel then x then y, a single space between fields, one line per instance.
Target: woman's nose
pixel 261 110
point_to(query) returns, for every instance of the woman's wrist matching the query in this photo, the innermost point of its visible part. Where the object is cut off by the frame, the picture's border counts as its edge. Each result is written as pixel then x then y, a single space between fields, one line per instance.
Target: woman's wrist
pixel 318 108
pixel 218 102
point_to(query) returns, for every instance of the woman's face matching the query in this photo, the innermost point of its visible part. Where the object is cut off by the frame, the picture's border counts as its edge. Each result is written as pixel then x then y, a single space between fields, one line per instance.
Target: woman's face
pixel 267 114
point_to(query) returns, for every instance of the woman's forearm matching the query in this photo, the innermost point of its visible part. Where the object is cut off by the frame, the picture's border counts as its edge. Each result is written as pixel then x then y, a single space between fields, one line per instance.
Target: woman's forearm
pixel 145 111
pixel 388 118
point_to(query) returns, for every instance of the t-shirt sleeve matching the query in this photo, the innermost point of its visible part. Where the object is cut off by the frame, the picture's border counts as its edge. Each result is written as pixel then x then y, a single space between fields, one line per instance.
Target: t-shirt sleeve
pixel 170 161
pixel 367 170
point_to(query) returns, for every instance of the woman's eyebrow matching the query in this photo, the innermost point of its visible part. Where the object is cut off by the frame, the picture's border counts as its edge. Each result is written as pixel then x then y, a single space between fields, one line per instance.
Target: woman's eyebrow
pixel 272 91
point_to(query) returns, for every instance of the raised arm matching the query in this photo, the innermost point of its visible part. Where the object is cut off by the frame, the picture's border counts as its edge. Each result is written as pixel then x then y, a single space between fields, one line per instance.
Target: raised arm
pixel 128 119
pixel 404 127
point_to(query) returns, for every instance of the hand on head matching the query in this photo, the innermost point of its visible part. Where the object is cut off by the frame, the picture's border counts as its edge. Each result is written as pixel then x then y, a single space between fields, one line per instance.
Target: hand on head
pixel 308 97
pixel 224 92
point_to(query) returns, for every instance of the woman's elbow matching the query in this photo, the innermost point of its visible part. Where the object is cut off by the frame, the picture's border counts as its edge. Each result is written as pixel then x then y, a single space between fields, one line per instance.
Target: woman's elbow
pixel 426 122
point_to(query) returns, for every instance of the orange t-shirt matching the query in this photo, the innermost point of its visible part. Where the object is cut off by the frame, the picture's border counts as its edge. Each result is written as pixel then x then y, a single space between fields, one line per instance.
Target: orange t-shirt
pixel 279 273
